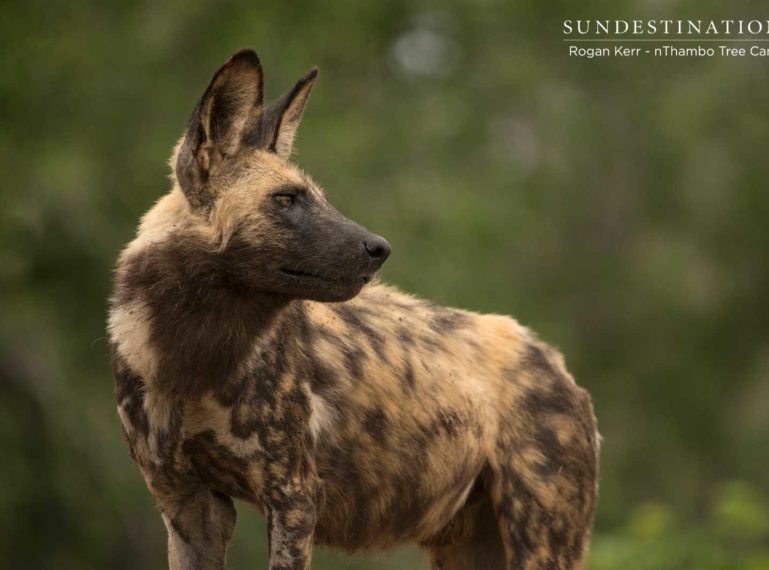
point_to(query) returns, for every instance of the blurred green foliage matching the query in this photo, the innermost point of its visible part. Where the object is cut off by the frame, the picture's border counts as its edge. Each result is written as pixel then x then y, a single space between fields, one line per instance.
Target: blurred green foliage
pixel 619 207
pixel 731 534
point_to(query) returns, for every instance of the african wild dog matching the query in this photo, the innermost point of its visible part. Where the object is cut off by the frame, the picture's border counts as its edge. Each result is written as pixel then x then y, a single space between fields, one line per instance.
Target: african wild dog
pixel 251 363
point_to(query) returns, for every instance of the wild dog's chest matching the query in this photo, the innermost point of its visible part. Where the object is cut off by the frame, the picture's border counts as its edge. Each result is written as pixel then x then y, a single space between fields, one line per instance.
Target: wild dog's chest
pixel 236 439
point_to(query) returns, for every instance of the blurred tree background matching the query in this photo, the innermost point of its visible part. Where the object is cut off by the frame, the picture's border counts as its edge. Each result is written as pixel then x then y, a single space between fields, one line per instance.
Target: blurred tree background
pixel 617 206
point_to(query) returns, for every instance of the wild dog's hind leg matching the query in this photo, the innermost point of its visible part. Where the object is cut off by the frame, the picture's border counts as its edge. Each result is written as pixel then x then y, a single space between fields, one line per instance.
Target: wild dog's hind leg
pixel 545 467
pixel 199 521
pixel 471 541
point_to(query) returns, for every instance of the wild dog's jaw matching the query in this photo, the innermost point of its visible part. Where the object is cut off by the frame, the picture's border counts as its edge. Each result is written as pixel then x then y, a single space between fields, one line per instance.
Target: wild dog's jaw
pixel 319 288
pixel 300 274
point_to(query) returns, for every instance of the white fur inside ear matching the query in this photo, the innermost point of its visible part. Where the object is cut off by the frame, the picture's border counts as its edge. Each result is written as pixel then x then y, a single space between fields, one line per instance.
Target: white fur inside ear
pixel 289 124
pixel 285 142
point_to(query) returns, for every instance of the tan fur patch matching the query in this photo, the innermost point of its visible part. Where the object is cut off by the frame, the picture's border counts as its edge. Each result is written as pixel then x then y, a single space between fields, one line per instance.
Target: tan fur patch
pixel 129 328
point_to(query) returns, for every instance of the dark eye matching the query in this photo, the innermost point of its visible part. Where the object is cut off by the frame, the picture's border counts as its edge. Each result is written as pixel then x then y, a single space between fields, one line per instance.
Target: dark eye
pixel 285 200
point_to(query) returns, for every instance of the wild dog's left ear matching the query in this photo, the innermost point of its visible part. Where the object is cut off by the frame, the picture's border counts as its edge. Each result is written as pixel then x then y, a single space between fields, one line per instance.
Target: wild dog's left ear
pixel 215 129
pixel 281 119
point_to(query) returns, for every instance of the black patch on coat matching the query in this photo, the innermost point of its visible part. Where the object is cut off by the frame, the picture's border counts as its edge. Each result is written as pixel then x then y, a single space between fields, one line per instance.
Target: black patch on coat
pixel 545 400
pixel 340 464
pixel 376 424
pixel 321 378
pixel 405 337
pixel 537 360
pixel 354 359
pixel 444 320
pixel 168 437
pixel 551 449
pixel 408 377
pixel 218 467
pixel 354 319
pixel 129 391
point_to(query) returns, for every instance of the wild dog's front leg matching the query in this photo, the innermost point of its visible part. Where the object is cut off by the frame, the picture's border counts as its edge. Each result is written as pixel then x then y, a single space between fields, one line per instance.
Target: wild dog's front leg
pixel 291 516
pixel 199 521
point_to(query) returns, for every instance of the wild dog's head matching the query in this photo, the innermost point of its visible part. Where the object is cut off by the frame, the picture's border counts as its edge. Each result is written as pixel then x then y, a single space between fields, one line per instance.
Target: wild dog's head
pixel 269 219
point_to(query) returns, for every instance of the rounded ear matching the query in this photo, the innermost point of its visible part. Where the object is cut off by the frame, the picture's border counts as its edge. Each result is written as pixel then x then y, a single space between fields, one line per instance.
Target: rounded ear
pixel 232 100
pixel 281 119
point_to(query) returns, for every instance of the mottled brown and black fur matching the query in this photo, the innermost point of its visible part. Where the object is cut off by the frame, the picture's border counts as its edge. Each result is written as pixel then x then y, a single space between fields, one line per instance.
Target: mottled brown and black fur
pixel 255 359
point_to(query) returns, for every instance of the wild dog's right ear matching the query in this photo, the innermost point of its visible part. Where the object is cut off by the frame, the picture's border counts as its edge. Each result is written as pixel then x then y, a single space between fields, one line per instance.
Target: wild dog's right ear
pixel 275 129
pixel 215 128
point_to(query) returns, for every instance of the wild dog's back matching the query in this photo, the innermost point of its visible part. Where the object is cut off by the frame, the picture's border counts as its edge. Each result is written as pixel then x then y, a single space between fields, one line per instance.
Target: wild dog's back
pixel 423 404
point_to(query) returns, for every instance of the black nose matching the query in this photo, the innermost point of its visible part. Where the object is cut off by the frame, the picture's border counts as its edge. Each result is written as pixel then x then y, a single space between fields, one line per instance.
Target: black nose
pixel 378 248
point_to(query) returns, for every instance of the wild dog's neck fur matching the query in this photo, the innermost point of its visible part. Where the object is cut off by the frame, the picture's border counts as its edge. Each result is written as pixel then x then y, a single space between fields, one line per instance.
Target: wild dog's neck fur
pixel 203 319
